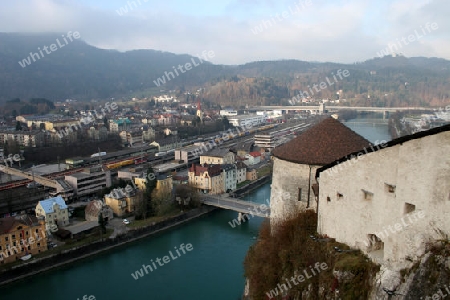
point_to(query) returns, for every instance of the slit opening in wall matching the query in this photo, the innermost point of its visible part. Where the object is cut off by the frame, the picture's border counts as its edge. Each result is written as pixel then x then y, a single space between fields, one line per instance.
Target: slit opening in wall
pixel 409 208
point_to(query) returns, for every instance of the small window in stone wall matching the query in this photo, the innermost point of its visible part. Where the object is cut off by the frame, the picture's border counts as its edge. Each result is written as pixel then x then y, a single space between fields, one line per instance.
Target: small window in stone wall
pixel 389 188
pixel 339 196
pixel 367 195
pixel 328 199
pixel 299 194
pixel 409 208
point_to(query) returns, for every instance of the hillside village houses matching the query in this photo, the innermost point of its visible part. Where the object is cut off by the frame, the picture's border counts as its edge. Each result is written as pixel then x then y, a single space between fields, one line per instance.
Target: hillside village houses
pixel 54 211
pixel 21 235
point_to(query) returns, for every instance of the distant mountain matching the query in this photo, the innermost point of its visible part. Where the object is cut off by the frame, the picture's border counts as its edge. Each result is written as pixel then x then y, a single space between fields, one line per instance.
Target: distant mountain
pixel 80 71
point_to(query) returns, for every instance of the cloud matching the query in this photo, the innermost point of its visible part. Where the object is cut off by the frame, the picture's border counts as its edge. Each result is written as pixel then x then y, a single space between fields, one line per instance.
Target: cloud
pixel 340 31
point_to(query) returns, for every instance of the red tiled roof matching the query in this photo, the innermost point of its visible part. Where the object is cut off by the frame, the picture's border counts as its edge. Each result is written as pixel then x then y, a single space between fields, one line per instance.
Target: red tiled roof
pixel 322 144
pixel 255 154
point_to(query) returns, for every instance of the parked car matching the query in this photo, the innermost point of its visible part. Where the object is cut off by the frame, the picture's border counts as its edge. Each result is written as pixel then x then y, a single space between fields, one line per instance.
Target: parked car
pixel 126 222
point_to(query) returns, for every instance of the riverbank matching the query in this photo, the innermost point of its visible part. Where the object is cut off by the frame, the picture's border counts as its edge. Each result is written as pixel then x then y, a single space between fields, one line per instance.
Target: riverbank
pixel 240 192
pixel 70 256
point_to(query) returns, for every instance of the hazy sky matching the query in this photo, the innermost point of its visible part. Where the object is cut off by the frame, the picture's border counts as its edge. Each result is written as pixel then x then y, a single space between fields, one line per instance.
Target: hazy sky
pixel 240 31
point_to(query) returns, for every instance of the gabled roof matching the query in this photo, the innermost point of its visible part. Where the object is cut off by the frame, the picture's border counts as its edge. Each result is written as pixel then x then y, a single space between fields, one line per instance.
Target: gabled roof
pixel 213 170
pixel 217 152
pixel 321 144
pixel 8 223
pixel 47 205
pixel 255 153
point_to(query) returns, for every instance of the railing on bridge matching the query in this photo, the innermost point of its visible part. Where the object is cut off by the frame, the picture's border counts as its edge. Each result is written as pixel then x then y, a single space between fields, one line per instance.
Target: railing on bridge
pixel 245 207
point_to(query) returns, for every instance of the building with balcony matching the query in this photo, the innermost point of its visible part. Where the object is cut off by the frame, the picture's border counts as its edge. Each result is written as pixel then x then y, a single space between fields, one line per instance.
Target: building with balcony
pixel 89 181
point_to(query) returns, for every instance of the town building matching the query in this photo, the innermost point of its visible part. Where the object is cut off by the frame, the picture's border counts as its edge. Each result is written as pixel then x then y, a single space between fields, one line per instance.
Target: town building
pixel 217 157
pixel 207 179
pixel 241 172
pixel 21 235
pixel 229 177
pixel 148 134
pixel 164 182
pixel 95 208
pixel 267 141
pixel 253 158
pixel 34 138
pixel 89 181
pixel 295 163
pixel 228 112
pixel 251 174
pixel 247 121
pixel 122 200
pixel 390 200
pixel 54 211
pixel 131 137
pixel 113 126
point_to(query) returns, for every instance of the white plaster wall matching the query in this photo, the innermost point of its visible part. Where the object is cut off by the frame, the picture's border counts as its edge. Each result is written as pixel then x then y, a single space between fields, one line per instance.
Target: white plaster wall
pixel 287 178
pixel 420 170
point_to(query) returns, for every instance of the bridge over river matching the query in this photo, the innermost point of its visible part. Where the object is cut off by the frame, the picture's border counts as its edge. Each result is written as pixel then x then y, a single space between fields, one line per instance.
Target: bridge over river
pixel 240 206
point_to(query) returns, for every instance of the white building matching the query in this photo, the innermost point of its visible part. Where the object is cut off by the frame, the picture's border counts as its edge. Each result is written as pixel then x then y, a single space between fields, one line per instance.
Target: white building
pixel 228 113
pixel 164 99
pixel 253 158
pixel 54 211
pixel 392 201
pixel 229 177
pixel 247 121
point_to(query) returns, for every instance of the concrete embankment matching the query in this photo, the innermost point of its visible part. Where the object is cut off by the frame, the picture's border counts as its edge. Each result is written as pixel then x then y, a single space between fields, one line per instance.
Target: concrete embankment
pixel 252 186
pixel 72 255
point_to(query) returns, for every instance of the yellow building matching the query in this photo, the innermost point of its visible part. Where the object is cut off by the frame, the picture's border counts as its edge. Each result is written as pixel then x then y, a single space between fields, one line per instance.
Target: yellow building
pixel 20 236
pixel 207 179
pixel 218 157
pixel 163 181
pixel 122 200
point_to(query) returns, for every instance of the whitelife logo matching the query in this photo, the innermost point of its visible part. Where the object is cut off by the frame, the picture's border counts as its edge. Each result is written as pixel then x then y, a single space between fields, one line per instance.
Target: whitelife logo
pixel 406 41
pixel 35 56
pixel 278 18
pixel 282 287
pixel 165 260
pixel 187 66
pixel 125 9
pixel 323 85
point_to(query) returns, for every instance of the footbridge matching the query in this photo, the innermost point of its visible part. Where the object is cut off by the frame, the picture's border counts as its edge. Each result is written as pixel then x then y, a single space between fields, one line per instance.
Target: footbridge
pixel 240 206
pixel 61 186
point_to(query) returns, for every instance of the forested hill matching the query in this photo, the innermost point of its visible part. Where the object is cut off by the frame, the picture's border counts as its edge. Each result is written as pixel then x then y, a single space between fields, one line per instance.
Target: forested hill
pixel 83 72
